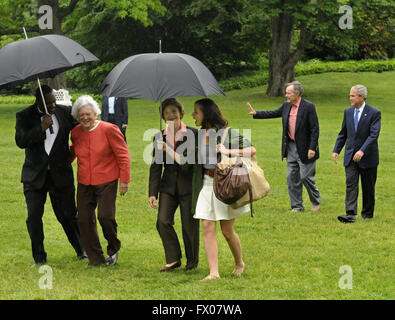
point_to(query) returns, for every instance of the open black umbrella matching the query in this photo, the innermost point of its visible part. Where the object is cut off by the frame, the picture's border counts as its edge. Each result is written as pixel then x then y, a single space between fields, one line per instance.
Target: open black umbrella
pixel 40 57
pixel 157 76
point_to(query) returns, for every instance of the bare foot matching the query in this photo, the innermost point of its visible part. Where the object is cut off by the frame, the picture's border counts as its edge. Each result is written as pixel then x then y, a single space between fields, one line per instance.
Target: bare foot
pixel 211 277
pixel 239 270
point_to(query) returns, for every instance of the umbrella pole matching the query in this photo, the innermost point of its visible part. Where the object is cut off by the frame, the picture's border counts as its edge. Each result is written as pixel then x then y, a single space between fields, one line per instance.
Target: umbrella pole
pixel 42 96
pixel 38 81
pixel 160 115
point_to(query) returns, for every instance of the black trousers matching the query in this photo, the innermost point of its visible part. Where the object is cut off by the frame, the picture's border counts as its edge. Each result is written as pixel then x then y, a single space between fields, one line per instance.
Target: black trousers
pixel 368 182
pixel 190 228
pixel 63 205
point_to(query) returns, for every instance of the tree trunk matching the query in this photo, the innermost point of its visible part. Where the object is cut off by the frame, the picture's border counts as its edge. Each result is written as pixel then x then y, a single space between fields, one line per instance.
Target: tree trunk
pixel 280 70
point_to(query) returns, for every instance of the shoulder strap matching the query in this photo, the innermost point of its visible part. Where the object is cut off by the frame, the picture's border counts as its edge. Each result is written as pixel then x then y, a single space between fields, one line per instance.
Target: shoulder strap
pixel 224 135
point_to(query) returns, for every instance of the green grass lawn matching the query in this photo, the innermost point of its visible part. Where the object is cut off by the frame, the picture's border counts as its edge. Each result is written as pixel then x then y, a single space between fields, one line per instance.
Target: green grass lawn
pixel 288 255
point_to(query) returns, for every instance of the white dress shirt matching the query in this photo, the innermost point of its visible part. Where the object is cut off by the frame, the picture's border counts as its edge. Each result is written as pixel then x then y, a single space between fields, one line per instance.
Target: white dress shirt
pixel 50 137
pixel 111 102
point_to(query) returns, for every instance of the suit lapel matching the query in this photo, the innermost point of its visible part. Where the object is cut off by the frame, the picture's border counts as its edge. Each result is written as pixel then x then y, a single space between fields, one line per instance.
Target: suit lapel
pixel 363 117
pixel 287 109
pixel 299 115
pixel 58 116
pixel 36 116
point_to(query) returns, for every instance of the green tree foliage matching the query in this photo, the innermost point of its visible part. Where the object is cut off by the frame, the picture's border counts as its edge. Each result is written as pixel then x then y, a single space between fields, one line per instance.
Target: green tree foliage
pixel 371 36
pixel 216 32
pixel 228 36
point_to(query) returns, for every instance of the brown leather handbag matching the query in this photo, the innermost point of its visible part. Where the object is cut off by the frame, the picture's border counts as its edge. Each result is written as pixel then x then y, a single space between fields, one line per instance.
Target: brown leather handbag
pixel 239 181
pixel 231 180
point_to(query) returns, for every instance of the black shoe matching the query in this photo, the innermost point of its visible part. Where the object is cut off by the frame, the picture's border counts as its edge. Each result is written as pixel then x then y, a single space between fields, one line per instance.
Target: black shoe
pixel 166 268
pixel 39 263
pixel 190 267
pixel 347 218
pixel 82 255
pixel 112 260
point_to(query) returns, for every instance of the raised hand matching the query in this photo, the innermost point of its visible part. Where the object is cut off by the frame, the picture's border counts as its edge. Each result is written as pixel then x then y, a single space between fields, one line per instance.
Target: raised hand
pixel 252 111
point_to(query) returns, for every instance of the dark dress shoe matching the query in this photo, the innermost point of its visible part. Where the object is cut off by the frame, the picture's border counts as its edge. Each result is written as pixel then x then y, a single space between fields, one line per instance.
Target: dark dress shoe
pixel 39 263
pixel 347 218
pixel 82 255
pixel 173 266
pixel 190 267
pixel 112 260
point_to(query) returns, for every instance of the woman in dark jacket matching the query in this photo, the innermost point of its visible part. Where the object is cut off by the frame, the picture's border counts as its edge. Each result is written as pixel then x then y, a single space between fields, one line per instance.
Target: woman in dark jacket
pixel 173 183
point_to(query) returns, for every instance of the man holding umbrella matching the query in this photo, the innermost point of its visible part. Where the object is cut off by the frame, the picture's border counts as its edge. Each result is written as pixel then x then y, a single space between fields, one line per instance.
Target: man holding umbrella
pixel 47 169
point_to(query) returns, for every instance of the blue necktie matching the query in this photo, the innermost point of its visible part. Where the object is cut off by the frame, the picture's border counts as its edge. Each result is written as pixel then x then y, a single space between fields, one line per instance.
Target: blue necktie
pixel 356 119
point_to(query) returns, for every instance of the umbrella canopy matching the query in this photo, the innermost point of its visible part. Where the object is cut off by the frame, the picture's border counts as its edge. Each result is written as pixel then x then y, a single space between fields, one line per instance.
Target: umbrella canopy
pixel 43 57
pixel 157 76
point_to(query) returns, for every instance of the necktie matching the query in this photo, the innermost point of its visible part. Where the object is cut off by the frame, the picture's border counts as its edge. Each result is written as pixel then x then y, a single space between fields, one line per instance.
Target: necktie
pixel 356 119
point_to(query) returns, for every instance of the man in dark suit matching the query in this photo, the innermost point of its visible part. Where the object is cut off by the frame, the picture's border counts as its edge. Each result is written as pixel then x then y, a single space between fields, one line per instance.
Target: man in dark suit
pixel 47 169
pixel 360 131
pixel 115 110
pixel 299 144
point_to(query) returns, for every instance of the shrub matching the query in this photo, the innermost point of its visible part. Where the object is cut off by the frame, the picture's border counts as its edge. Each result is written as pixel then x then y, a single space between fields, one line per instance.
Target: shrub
pixel 260 78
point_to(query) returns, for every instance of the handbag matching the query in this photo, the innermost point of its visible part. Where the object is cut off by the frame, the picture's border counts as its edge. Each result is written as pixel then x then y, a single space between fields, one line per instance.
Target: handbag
pixel 260 187
pixel 239 180
pixel 231 180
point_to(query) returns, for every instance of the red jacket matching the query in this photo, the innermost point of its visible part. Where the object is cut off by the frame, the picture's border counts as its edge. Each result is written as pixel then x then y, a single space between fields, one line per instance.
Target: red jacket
pixel 102 153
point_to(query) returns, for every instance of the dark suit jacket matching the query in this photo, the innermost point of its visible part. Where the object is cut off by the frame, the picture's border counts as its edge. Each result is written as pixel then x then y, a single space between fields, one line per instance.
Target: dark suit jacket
pixel 29 136
pixel 306 128
pixel 120 111
pixel 364 139
pixel 176 179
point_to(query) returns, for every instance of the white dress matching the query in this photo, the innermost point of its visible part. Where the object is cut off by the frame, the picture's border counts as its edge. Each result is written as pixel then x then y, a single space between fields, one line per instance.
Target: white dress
pixel 208 207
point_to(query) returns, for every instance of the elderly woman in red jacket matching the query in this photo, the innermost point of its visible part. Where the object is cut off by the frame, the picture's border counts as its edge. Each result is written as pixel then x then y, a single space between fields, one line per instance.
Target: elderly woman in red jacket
pixel 102 158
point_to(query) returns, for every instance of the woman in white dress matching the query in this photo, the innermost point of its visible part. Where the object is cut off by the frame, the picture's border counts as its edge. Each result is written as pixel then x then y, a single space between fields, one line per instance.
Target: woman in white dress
pixel 205 205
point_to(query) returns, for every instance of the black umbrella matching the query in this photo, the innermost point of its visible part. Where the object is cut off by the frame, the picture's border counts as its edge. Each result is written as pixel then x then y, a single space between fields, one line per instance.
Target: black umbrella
pixel 40 57
pixel 157 76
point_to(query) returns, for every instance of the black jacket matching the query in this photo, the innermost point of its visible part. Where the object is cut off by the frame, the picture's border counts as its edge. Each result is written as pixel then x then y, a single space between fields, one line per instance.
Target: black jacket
pixel 172 178
pixel 120 111
pixel 29 136
pixel 306 128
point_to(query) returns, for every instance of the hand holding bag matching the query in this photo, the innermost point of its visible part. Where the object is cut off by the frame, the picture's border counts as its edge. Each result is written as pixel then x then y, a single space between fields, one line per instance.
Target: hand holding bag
pixel 231 180
pixel 259 185
pixel 239 180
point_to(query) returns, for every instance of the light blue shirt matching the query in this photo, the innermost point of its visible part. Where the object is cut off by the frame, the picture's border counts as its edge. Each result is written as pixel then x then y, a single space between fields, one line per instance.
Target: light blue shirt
pixel 360 111
pixel 111 102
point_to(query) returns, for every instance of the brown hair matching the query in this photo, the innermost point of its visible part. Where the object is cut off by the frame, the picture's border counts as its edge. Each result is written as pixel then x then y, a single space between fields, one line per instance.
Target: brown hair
pixel 172 102
pixel 211 114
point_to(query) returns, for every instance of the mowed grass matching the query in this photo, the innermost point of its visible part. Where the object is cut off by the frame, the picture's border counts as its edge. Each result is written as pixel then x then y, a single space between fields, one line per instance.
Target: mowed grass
pixel 288 255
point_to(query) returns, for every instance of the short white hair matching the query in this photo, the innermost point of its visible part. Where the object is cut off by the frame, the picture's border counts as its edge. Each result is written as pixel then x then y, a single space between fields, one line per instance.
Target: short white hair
pixel 82 102
pixel 362 91
pixel 297 87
